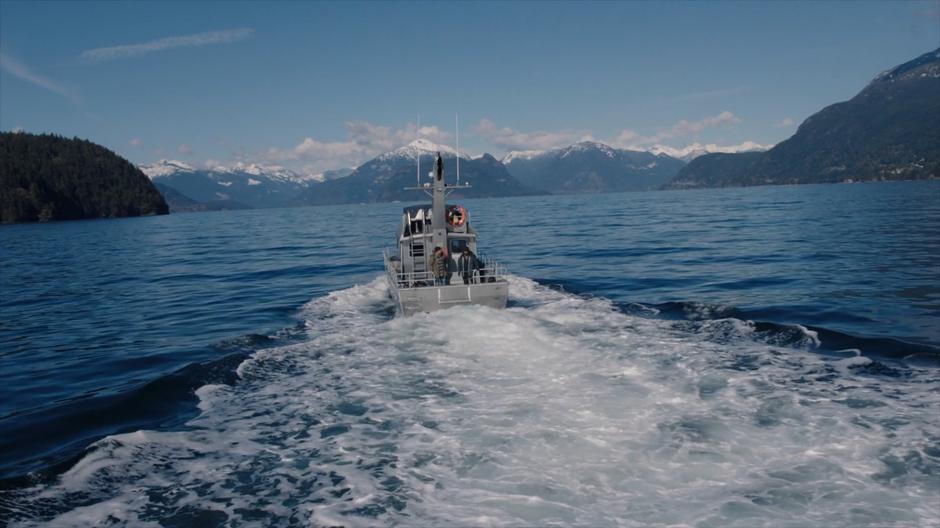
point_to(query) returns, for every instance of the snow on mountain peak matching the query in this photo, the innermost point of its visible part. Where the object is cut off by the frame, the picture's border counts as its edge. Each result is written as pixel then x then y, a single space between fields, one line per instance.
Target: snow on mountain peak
pixel 270 172
pixel 421 147
pixel 690 152
pixel 563 152
pixel 165 167
pixel 582 146
pixel 521 155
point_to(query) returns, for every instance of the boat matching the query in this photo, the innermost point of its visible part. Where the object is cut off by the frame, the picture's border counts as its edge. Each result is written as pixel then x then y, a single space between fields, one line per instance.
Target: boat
pixel 427 228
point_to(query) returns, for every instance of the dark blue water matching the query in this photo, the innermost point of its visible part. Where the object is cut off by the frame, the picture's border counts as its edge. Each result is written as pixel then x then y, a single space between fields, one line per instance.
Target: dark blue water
pixel 113 326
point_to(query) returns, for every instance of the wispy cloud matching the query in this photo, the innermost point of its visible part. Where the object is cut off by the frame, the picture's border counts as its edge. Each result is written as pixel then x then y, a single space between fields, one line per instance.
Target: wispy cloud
pixel 786 123
pixel 509 139
pixel 184 149
pixel 18 69
pixel 363 141
pixel 628 138
pixel 123 51
pixel 135 142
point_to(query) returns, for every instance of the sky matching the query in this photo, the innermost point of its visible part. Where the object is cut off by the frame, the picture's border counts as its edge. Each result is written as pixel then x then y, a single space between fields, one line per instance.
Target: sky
pixel 317 86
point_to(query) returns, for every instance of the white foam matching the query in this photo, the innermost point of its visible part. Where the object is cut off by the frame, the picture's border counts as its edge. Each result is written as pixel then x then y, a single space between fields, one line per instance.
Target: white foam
pixel 561 410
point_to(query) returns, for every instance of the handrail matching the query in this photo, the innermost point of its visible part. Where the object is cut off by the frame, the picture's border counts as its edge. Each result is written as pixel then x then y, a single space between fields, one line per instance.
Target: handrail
pixel 490 271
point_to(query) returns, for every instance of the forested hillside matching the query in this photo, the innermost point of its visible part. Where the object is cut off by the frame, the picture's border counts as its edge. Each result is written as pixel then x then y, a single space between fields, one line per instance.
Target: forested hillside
pixel 48 177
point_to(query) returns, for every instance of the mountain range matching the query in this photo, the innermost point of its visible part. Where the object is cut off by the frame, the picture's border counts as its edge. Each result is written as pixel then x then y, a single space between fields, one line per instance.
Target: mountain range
pixel 384 178
pixel 251 185
pixel 584 167
pixel 591 167
pixel 888 131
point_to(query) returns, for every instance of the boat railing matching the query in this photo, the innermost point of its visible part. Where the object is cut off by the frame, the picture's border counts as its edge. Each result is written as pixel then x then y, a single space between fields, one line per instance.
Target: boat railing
pixel 489 271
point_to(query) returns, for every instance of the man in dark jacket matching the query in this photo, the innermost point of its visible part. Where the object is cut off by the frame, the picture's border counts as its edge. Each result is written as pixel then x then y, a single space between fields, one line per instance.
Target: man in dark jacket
pixel 467 264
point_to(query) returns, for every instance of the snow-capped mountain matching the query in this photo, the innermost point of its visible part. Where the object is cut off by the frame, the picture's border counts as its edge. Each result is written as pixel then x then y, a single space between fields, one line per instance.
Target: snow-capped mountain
pixel 690 152
pixel 686 154
pixel 591 166
pixel 384 178
pixel 165 167
pixel 521 155
pixel 251 184
pixel 332 174
pixel 421 147
pixel 272 172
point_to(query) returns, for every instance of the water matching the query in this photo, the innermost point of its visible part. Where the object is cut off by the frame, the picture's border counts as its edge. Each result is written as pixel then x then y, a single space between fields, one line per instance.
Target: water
pixel 737 357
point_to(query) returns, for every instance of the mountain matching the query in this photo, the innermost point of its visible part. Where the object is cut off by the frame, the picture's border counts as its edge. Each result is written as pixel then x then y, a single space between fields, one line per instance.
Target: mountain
pixel 180 203
pixel 332 174
pixel 690 152
pixel 889 131
pixel 247 184
pixel 715 170
pixel 48 177
pixel 384 178
pixel 591 167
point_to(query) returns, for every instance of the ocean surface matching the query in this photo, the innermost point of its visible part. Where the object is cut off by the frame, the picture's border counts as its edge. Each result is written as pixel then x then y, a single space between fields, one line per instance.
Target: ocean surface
pixel 734 357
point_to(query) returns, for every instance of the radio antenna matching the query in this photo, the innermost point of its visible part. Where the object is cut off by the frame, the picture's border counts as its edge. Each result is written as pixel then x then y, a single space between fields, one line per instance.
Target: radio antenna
pixel 457 127
pixel 417 137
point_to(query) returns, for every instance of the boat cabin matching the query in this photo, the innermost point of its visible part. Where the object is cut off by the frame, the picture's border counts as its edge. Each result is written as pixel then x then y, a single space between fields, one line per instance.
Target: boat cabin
pixel 416 240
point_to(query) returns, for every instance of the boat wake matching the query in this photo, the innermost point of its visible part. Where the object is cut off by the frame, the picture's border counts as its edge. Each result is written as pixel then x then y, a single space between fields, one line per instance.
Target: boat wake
pixel 560 410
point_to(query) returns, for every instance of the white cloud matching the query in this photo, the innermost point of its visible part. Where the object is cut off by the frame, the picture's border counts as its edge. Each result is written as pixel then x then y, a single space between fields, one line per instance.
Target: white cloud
pixel 17 69
pixel 363 141
pixel 199 39
pixel 684 128
pixel 626 137
pixel 184 149
pixel 509 139
pixel 630 139
pixel 787 122
pixel 135 142
pixel 366 140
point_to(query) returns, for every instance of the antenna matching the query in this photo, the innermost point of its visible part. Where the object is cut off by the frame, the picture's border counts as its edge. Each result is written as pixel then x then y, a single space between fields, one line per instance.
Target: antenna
pixel 418 136
pixel 457 127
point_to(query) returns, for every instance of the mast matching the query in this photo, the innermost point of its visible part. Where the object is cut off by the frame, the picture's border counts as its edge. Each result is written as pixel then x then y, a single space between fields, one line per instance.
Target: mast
pixel 438 215
pixel 417 137
pixel 457 129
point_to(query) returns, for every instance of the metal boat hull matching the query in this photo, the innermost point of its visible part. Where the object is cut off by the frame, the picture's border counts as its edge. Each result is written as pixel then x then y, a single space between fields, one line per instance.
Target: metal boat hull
pixel 430 298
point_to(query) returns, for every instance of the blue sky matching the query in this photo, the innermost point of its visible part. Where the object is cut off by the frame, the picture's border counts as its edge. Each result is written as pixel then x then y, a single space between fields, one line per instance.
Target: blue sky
pixel 324 85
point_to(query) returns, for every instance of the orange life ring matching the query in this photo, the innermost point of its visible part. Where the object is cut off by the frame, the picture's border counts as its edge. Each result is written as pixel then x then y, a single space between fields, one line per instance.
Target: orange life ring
pixel 456 216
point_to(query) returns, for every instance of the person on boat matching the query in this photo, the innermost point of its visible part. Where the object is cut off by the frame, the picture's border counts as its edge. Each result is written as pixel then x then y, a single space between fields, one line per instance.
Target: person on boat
pixel 467 264
pixel 439 166
pixel 439 266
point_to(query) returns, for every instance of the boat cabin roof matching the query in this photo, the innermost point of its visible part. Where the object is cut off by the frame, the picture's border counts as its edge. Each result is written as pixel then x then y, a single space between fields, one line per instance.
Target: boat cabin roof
pixel 413 209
